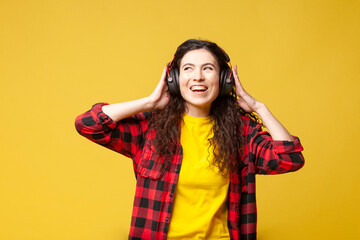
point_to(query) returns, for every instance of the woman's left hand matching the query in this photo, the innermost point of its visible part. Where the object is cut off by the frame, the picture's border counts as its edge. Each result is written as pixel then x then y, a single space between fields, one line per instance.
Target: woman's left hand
pixel 250 104
pixel 245 101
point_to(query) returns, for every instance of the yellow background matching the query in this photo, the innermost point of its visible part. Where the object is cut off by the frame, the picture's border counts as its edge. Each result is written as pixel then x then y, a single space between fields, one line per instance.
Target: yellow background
pixel 57 58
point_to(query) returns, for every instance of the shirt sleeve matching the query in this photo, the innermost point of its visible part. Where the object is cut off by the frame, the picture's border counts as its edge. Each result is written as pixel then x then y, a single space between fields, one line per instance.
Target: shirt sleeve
pixel 273 156
pixel 125 136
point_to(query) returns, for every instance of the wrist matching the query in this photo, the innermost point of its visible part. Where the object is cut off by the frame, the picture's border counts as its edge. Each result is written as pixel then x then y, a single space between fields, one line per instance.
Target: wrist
pixel 260 108
pixel 149 104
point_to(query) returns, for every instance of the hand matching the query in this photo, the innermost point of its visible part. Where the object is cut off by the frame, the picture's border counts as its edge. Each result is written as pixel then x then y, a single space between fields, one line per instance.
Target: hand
pixel 160 96
pixel 245 101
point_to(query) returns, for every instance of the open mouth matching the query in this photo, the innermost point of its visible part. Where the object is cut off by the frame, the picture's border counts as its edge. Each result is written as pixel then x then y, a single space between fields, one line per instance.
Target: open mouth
pixel 197 88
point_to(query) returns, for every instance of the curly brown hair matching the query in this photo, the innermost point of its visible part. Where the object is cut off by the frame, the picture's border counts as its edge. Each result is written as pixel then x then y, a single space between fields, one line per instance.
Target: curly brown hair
pixel 227 141
pixel 225 113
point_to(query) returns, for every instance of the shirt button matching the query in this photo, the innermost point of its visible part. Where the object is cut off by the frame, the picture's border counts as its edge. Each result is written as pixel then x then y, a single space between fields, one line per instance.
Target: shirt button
pixel 166 220
pixel 171 195
pixel 177 170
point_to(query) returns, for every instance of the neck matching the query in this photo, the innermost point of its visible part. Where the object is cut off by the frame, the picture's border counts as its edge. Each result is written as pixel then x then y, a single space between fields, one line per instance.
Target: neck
pixel 197 111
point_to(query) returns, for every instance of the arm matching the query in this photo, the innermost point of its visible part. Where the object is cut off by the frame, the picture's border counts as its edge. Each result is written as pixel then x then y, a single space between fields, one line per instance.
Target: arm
pixel 125 136
pixel 250 104
pixel 275 128
pixel 271 156
pixel 122 126
pixel 157 100
pixel 273 152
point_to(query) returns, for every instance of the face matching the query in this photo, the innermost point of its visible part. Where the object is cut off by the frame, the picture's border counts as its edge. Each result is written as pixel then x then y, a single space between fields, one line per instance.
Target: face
pixel 199 81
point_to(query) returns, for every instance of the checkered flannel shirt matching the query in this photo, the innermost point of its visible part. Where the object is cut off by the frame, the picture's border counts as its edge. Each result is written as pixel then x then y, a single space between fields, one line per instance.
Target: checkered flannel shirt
pixel 157 175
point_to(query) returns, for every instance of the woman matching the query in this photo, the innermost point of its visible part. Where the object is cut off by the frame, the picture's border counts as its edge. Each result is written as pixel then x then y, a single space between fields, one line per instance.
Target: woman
pixel 196 150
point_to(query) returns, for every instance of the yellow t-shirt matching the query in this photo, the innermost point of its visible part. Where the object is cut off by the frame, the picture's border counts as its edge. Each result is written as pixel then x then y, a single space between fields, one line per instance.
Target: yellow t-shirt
pixel 199 210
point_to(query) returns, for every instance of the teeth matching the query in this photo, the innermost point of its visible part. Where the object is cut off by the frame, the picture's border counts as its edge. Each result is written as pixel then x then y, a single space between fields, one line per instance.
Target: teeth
pixel 198 88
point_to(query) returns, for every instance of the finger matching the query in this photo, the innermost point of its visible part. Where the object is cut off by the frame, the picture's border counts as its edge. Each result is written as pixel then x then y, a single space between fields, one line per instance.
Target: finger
pixel 236 75
pixel 160 86
pixel 235 72
pixel 163 86
pixel 165 89
pixel 238 86
pixel 162 82
pixel 163 75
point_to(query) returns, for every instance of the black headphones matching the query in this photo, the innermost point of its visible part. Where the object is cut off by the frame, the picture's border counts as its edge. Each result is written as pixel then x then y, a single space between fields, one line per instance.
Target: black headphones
pixel 226 78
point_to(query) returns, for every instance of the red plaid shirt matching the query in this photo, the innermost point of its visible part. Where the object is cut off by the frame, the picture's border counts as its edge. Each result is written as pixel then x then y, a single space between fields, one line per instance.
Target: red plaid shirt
pixel 157 175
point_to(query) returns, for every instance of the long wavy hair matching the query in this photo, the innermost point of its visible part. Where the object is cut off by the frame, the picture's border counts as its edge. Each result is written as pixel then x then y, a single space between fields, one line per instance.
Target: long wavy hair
pixel 225 112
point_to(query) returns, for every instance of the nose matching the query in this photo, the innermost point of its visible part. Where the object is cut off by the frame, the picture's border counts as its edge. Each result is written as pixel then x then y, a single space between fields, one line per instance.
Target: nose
pixel 198 75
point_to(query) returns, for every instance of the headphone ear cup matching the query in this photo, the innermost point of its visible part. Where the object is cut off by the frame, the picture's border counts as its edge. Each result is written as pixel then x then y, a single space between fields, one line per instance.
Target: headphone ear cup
pixel 173 82
pixel 226 84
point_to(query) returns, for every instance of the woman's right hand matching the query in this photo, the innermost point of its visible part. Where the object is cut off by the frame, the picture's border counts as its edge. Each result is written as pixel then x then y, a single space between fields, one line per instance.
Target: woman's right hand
pixel 160 96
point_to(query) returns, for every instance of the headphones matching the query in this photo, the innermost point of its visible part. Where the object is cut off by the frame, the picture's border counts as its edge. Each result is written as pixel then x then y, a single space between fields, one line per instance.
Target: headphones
pixel 226 78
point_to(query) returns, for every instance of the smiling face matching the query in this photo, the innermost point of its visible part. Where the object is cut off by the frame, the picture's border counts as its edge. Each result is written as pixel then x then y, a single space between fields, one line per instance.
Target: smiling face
pixel 199 81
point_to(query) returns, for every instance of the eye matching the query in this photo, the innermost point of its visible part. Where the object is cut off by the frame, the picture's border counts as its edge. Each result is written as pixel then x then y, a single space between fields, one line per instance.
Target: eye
pixel 208 68
pixel 187 68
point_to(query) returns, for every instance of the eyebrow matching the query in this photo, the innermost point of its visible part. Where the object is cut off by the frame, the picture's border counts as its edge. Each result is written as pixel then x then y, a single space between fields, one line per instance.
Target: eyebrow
pixel 191 64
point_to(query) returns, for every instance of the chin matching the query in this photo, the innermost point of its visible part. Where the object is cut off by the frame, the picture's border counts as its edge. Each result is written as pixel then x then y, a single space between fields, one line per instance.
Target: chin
pixel 200 104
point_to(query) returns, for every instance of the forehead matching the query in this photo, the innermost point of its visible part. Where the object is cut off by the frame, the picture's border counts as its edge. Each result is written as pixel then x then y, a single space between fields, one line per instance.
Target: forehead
pixel 198 56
